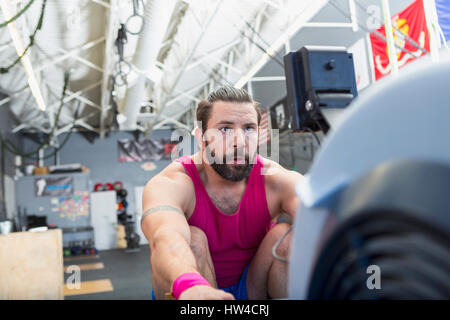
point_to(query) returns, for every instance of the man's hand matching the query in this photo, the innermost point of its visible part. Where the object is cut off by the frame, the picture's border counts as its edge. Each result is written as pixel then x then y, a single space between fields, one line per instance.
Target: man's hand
pixel 201 292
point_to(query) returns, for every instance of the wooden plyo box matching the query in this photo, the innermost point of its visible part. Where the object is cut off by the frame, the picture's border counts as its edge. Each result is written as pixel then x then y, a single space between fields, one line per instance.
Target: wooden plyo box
pixel 31 265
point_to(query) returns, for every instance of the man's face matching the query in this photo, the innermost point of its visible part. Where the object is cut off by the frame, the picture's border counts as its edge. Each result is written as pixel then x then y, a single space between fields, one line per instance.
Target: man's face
pixel 231 138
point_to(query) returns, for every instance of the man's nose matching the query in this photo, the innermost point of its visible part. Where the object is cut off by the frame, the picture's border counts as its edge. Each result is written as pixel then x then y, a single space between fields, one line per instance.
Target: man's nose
pixel 238 138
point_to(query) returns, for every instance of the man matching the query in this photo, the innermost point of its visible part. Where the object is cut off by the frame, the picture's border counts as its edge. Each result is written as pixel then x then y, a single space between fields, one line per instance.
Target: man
pixel 209 217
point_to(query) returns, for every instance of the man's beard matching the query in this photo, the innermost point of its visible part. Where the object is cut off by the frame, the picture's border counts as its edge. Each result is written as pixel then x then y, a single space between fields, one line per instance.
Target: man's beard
pixel 232 172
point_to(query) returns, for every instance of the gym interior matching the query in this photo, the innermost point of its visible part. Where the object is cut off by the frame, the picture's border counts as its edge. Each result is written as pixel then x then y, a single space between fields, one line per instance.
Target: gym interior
pixel 97 97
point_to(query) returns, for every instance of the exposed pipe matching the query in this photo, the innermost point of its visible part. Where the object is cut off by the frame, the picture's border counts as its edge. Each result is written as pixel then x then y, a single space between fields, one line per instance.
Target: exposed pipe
pixel 183 67
pixel 432 25
pixel 111 31
pixel 157 17
pixel 389 37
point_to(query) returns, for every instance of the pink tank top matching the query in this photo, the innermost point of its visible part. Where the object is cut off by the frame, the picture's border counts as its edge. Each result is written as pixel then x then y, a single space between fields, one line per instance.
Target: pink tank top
pixel 233 239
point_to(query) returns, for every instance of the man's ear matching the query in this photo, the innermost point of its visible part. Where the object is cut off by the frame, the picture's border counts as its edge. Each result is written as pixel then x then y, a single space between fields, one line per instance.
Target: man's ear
pixel 199 137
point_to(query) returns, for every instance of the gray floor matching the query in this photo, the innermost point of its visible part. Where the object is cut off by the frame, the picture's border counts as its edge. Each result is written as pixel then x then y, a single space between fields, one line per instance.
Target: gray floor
pixel 129 273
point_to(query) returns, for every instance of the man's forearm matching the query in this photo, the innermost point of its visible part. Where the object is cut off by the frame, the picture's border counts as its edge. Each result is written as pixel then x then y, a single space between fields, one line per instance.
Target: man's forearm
pixel 171 257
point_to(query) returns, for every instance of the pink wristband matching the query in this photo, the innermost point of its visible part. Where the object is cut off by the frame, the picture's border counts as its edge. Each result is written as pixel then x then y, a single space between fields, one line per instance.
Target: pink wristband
pixel 185 281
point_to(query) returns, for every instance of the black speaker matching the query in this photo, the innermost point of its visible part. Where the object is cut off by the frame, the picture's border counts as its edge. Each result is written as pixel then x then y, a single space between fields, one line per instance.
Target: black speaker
pixel 316 78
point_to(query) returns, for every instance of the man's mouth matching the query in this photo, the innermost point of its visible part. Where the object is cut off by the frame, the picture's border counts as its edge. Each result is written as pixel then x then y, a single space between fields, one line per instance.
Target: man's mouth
pixel 239 160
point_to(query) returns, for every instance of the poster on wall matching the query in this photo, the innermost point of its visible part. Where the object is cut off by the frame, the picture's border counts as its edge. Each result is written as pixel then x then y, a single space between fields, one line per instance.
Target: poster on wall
pixel 145 150
pixel 72 207
pixel 53 187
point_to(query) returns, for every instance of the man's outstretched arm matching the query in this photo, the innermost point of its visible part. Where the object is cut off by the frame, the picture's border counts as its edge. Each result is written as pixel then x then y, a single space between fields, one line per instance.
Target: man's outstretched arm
pixel 167 231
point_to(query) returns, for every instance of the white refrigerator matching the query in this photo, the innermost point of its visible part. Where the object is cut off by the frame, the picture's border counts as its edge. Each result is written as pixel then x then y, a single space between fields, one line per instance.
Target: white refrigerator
pixel 104 219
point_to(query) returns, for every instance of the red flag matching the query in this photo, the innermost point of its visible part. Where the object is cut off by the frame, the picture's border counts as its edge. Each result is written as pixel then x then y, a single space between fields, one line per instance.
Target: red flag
pixel 412 23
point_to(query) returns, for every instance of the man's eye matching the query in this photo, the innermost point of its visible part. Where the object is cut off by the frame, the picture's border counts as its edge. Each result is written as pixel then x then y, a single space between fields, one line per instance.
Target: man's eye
pixel 225 129
pixel 249 129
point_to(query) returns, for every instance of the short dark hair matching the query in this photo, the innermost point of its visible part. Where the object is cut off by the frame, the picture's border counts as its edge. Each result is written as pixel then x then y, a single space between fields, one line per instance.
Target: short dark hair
pixel 227 94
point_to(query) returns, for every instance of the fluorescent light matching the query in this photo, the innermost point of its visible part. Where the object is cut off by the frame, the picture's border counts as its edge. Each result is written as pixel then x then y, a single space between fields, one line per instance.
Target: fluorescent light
pixel 20 48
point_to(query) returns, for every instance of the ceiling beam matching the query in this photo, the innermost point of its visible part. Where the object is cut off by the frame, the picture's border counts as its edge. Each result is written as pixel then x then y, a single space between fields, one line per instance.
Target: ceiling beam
pixel 264 79
pixel 102 3
pixel 184 65
pixel 206 55
pixel 25 60
pixel 289 32
pixel 26 125
pixel 181 95
pixel 77 95
pixel 14 95
pixel 172 119
pixel 82 60
pixel 69 127
pixel 54 60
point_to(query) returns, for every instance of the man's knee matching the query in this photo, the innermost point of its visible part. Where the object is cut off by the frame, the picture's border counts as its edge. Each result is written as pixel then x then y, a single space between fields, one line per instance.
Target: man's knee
pixel 199 243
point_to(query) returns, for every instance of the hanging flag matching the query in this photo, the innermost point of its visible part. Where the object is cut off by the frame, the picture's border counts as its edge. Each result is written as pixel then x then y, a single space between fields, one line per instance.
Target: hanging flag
pixel 443 13
pixel 412 23
pixel 264 128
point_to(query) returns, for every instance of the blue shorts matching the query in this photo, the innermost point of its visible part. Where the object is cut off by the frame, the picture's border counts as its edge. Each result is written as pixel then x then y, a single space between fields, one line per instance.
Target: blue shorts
pixel 238 290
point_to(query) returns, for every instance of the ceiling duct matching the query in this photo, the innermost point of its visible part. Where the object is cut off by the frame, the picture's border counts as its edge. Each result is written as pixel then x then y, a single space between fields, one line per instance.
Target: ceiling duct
pixel 157 17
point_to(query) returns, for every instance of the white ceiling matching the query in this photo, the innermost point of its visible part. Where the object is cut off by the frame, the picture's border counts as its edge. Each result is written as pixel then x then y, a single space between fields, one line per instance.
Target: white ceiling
pixel 207 43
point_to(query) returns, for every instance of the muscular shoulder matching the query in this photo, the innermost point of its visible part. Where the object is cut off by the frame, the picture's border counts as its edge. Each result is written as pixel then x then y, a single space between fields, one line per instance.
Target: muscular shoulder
pixel 174 171
pixel 171 185
pixel 280 183
pixel 277 177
